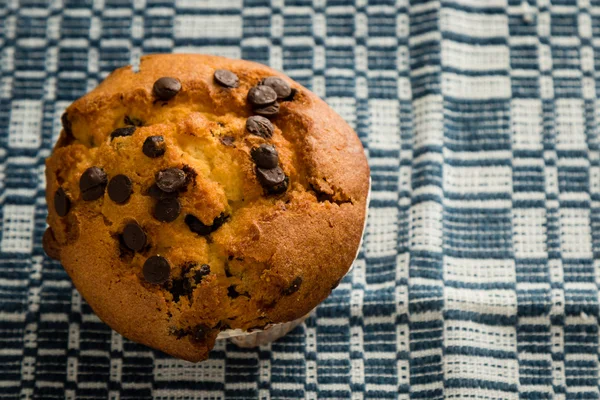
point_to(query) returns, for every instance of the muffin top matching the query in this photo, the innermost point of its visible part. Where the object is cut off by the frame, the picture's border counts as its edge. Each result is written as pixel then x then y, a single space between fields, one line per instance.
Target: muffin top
pixel 201 194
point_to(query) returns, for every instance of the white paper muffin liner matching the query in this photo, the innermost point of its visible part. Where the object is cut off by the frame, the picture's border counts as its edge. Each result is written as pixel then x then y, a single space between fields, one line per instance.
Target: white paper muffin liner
pixel 275 331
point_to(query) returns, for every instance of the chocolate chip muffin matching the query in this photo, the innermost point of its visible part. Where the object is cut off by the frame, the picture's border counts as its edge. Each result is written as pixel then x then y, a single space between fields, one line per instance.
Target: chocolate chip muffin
pixel 202 194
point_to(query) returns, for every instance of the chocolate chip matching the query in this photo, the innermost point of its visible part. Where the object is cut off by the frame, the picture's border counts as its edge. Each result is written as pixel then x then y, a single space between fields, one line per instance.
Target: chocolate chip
pixel 50 245
pixel 166 88
pixel 62 203
pixel 134 237
pixel 281 87
pixel 260 96
pixel 202 229
pixel 227 140
pixel 270 177
pixel 197 226
pixel 260 126
pixel 232 292
pixel 279 188
pixel 155 192
pixel 92 183
pixel 119 189
pixel 190 280
pixel 201 273
pixel 170 180
pixel 121 132
pixel 200 332
pixel 268 111
pixel 265 156
pixel 291 96
pixel 133 121
pixel 67 126
pixel 190 177
pixel 220 220
pixel 154 146
pixel 167 210
pixel 156 270
pixel 178 288
pixel 226 78
pixel 294 287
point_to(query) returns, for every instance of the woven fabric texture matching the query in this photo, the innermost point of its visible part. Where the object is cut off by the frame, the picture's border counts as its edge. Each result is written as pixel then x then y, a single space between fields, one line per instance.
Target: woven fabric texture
pixel 479 273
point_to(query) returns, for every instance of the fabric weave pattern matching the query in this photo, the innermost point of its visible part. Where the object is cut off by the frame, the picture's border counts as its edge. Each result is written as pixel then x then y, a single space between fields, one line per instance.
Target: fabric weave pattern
pixel 479 273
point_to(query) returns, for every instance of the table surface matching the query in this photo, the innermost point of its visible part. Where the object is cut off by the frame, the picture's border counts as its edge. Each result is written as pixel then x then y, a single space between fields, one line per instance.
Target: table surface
pixel 479 273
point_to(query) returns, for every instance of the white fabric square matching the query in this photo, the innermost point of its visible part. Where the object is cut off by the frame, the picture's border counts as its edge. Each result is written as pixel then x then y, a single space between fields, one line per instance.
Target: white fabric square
pixel 25 129
pixel 469 180
pixel 426 226
pixel 473 24
pixel 382 232
pixel 488 301
pixel 526 116
pixel 570 125
pixel 484 271
pixel 529 232
pixel 428 121
pixel 17 228
pixel 476 87
pixel 385 125
pixel 345 107
pixel 575 233
pixel 475 58
pixel 208 26
pixel 209 4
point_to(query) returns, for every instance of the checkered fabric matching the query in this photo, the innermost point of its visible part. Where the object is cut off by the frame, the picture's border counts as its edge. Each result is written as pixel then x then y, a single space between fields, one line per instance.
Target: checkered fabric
pixel 479 274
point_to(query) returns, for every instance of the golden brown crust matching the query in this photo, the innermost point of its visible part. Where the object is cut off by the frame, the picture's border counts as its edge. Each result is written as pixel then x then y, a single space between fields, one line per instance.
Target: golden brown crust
pixel 267 246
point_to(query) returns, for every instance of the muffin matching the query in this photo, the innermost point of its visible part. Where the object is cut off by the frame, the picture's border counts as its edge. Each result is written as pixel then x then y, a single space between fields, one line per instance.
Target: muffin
pixel 201 195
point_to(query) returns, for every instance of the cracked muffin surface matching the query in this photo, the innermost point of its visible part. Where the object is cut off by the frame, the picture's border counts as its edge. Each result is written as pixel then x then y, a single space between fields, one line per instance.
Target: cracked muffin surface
pixel 201 194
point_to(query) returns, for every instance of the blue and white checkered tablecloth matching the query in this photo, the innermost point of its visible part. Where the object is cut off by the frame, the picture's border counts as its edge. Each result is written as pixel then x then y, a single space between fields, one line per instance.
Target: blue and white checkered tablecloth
pixel 479 274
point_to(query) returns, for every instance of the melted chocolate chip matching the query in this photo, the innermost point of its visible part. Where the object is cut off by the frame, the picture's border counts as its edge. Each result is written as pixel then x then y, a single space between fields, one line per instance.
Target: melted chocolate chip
pixel 200 273
pixel 155 192
pixel 154 146
pixel 227 140
pixel 120 189
pixel 122 132
pixel 294 287
pixel 279 188
pixel 261 96
pixel 134 237
pixel 291 96
pixel 220 220
pixel 190 177
pixel 167 210
pixel 265 156
pixel 92 183
pixel 260 126
pixel 62 203
pixel 226 78
pixel 200 332
pixel 166 88
pixel 156 270
pixel 133 121
pixel 268 111
pixel 197 226
pixel 170 180
pixel 232 292
pixel 271 177
pixel 200 228
pixel 178 288
pixel 67 126
pixel 281 87
pixel 51 247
